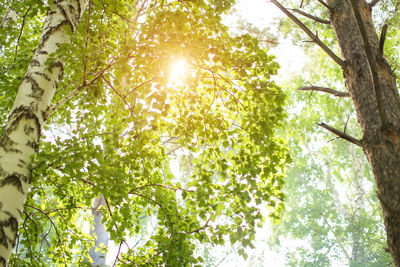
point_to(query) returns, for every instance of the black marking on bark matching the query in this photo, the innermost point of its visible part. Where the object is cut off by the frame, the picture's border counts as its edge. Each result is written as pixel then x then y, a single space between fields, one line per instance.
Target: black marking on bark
pixel 49 32
pixel 44 75
pixel 34 145
pixel 34 63
pixel 3 261
pixel 28 130
pixel 15 117
pixel 15 181
pixel 73 11
pixel 44 115
pixel 19 212
pixel 42 52
pixel 12 223
pixel 79 8
pixel 8 145
pixel 2 174
pixel 37 91
pixel 60 65
pixel 66 17
pixel 9 214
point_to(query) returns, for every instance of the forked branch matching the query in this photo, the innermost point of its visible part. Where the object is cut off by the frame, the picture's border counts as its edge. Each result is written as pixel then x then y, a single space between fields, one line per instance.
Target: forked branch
pixel 314 38
pixel 341 134
pixel 325 90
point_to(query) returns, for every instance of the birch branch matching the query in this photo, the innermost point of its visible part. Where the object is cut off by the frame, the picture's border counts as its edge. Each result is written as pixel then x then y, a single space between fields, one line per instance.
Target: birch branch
pixel 75 91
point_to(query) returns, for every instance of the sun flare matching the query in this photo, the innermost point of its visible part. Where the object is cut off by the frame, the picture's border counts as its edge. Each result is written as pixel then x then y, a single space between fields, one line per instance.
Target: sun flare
pixel 177 72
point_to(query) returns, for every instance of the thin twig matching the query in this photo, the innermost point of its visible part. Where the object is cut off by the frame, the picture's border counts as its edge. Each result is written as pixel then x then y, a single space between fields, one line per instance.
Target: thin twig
pixel 74 92
pixel 325 90
pixel 341 134
pixel 20 32
pixel 310 34
pixel 87 42
pixel 371 62
pixel 323 21
pixel 119 94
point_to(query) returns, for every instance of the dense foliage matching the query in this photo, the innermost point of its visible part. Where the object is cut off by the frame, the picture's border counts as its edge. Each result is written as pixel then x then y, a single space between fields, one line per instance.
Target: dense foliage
pixel 124 120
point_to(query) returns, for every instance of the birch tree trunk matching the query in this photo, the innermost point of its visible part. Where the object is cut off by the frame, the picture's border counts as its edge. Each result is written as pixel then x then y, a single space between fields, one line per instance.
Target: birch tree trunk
pixel 21 137
pixel 102 236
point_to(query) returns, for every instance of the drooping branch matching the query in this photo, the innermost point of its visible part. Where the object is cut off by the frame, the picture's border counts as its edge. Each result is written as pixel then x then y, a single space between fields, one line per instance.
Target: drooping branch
pixel 317 19
pixel 371 62
pixel 325 90
pixel 314 38
pixel 341 134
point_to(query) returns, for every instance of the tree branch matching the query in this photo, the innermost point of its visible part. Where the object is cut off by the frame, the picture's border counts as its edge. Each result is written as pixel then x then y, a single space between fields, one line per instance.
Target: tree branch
pixel 323 21
pixel 20 32
pixel 10 15
pixel 310 34
pixel 325 90
pixel 382 39
pixel 341 134
pixel 371 62
pixel 373 3
pixel 75 91
pixel 324 4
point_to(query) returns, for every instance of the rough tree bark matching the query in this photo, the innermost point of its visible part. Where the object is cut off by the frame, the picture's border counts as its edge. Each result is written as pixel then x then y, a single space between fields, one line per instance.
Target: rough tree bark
pixel 21 137
pixel 372 87
pixel 380 142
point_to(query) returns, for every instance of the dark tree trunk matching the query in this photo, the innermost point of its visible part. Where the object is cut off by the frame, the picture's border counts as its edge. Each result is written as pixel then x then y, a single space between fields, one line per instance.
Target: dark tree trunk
pixel 372 87
pixel 380 142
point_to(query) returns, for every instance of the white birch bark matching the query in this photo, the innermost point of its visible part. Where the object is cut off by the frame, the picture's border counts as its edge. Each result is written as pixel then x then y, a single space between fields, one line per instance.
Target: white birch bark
pixel 9 16
pixel 100 232
pixel 20 139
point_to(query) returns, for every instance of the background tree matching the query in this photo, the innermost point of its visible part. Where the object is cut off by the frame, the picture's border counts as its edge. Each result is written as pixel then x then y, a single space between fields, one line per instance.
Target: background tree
pixel 332 212
pixel 107 126
pixel 371 84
